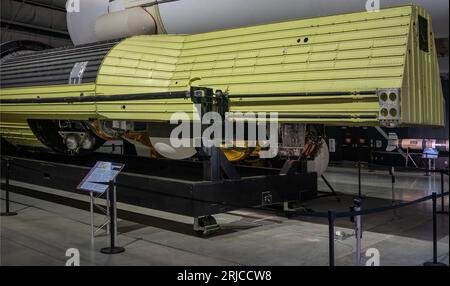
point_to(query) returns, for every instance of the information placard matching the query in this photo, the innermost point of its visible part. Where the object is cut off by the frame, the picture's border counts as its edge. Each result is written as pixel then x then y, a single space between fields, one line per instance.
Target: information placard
pixel 102 172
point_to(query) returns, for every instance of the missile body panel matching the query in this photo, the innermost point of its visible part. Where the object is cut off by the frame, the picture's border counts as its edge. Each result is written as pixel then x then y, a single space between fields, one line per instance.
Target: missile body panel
pixel 363 69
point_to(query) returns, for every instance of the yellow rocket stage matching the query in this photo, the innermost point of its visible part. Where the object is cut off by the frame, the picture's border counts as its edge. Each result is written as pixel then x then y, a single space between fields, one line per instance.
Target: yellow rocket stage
pixel 368 69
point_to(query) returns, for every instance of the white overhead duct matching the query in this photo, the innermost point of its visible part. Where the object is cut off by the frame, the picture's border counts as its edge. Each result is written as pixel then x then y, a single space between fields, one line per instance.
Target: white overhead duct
pixel 129 22
pixel 193 16
pixel 81 24
pixel 188 16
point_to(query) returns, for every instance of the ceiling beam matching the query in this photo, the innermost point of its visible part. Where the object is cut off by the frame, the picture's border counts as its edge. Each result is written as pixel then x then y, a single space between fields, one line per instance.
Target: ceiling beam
pixel 37 29
pixel 40 4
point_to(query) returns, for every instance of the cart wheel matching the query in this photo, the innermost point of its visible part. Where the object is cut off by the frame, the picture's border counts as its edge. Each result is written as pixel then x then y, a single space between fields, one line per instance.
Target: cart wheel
pixel 199 232
pixel 206 225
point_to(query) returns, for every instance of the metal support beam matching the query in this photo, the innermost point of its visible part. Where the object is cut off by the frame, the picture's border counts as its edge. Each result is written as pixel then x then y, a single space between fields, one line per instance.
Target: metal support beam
pixel 40 4
pixel 290 167
pixel 55 32
pixel 216 164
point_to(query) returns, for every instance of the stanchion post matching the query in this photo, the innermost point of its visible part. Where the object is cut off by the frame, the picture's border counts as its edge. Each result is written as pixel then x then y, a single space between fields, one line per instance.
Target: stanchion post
pixel 428 172
pixel 442 192
pixel 435 262
pixel 358 231
pixel 359 179
pixel 442 211
pixel 112 249
pixel 392 171
pixel 91 208
pixel 434 230
pixel 7 174
pixel 331 219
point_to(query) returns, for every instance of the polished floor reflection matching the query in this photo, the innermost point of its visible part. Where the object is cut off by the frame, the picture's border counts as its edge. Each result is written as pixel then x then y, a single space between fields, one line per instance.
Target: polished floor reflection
pixel 48 225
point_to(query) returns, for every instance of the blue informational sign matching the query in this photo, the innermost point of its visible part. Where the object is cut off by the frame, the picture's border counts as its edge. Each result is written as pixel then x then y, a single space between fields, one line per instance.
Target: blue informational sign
pixel 430 153
pixel 102 172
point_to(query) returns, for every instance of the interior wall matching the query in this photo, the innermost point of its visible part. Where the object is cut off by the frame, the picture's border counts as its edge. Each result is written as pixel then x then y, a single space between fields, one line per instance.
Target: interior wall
pixel 13 34
pixel 39 20
pixel 368 145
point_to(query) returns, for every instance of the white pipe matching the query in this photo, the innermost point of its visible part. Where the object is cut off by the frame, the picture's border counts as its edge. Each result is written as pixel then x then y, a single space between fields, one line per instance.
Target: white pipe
pixel 129 22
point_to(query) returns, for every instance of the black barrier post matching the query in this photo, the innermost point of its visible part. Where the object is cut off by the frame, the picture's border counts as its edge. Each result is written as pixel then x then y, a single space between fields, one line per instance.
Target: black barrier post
pixel 7 173
pixel 359 179
pixel 392 172
pixel 434 230
pixel 435 262
pixel 331 219
pixel 112 249
pixel 442 195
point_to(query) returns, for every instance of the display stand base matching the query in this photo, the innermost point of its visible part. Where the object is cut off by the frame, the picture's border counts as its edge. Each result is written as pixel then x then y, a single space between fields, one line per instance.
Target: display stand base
pixel 434 264
pixel 112 250
pixel 8 214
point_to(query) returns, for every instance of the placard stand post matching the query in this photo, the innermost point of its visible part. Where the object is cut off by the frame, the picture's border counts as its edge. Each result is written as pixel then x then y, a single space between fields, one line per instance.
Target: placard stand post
pixel 112 249
pixel 104 210
pixel 101 179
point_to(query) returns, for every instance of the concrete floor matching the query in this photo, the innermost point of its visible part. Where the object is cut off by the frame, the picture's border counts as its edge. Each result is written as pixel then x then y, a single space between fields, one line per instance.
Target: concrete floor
pixel 43 230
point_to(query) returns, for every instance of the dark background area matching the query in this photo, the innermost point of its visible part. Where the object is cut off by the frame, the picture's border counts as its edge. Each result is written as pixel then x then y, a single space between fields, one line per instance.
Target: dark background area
pixel 360 143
